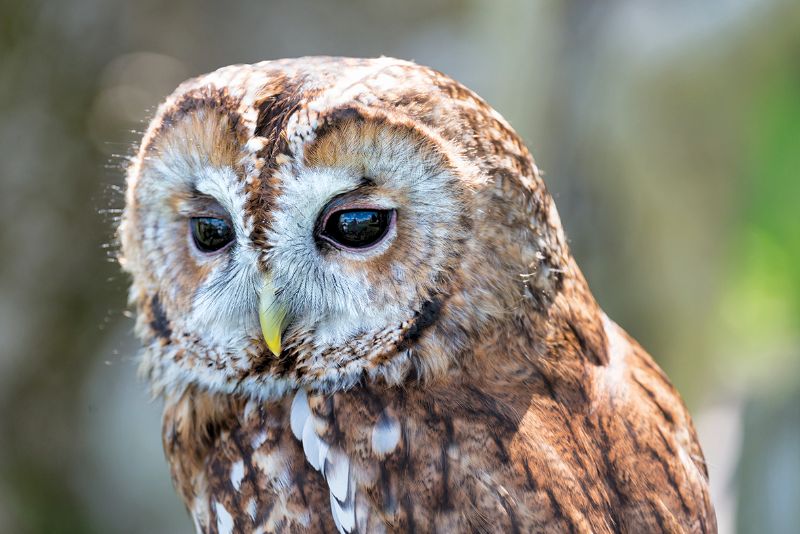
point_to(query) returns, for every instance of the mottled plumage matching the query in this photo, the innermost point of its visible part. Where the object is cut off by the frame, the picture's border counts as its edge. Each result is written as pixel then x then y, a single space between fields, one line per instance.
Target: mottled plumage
pixel 456 377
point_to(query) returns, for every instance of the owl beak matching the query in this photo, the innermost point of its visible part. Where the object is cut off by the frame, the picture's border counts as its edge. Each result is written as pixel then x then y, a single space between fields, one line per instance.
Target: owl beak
pixel 271 314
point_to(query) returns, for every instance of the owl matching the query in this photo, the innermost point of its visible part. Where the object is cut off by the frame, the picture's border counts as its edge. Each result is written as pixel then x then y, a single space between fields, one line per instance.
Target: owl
pixel 356 299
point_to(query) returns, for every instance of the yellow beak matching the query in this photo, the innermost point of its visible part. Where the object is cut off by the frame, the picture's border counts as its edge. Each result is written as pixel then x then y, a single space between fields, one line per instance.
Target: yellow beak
pixel 271 314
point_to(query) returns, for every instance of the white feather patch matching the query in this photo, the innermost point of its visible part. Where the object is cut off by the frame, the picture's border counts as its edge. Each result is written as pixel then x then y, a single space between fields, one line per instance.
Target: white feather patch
pixel 334 507
pixel 323 453
pixel 332 462
pixel 344 513
pixel 224 519
pixel 251 509
pixel 311 443
pixel 337 473
pixel 385 434
pixel 613 374
pixel 237 474
pixel 300 413
pixel 249 409
pixel 258 440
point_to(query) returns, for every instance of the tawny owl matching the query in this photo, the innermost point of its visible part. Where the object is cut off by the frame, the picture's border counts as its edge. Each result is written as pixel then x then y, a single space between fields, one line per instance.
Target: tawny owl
pixel 358 303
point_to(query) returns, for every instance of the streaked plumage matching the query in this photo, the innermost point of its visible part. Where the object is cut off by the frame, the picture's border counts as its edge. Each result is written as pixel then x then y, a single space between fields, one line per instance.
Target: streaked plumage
pixel 458 376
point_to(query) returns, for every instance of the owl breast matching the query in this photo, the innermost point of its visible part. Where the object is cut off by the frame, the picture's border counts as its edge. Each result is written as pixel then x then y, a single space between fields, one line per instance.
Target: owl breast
pixel 521 456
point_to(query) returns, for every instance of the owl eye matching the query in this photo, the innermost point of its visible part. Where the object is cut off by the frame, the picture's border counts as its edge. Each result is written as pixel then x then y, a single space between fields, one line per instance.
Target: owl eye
pixel 211 233
pixel 357 228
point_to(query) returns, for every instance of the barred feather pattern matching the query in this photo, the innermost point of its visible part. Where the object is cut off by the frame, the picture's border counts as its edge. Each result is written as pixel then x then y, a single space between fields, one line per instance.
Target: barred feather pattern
pixel 615 453
pixel 460 377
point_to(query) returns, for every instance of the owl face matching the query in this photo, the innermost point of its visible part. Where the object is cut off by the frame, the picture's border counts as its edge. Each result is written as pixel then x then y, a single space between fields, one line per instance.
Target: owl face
pixel 318 222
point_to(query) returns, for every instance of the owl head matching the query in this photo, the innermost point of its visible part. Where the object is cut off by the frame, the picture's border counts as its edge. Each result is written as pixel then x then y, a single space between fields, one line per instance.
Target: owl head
pixel 325 222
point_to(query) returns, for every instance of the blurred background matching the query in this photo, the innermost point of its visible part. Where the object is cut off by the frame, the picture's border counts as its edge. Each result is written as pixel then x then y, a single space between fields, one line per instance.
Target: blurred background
pixel 669 133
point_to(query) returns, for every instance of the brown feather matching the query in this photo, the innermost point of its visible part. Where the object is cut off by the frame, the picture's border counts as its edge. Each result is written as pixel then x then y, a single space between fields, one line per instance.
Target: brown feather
pixel 503 400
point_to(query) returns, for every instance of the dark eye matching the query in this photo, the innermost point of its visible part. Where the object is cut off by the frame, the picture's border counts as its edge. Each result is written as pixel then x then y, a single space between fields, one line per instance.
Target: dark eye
pixel 211 233
pixel 357 228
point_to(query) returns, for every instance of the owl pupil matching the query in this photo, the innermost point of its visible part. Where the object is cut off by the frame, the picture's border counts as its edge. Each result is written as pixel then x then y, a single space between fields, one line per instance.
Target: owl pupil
pixel 211 233
pixel 358 228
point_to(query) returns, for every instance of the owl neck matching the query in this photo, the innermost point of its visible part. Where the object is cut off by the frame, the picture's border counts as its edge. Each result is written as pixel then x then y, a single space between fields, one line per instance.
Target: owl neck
pixel 553 338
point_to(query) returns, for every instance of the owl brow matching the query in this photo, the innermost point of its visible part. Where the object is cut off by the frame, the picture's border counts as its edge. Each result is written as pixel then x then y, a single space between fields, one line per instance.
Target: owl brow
pixel 204 204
